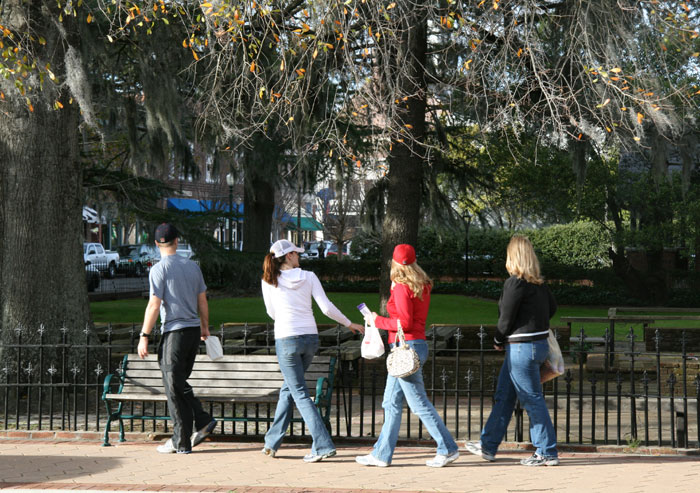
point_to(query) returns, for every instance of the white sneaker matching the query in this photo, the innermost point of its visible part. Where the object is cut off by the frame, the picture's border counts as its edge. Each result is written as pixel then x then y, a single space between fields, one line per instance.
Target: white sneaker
pixel 318 458
pixel 169 448
pixel 475 448
pixel 269 452
pixel 442 460
pixel 539 460
pixel 199 435
pixel 370 460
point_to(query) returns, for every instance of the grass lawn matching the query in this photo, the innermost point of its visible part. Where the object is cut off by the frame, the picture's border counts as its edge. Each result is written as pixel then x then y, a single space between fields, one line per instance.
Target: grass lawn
pixel 444 309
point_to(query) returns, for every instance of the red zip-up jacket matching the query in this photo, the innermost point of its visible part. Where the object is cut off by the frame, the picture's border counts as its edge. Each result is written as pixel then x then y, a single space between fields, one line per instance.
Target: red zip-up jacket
pixel 411 310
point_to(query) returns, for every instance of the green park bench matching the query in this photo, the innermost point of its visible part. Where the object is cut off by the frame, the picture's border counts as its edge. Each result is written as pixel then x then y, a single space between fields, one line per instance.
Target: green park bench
pixel 245 379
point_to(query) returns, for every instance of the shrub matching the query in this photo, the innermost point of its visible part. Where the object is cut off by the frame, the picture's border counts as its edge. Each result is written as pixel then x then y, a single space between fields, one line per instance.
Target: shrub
pixel 236 272
pixel 580 244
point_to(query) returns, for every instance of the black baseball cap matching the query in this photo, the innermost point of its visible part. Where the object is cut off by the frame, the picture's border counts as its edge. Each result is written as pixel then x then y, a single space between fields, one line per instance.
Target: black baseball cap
pixel 165 233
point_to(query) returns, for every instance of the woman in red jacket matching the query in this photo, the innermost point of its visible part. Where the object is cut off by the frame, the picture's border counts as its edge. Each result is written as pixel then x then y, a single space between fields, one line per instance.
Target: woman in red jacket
pixel 409 302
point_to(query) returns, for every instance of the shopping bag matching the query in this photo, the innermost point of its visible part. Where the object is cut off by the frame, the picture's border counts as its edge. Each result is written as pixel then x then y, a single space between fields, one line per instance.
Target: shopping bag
pixel 214 349
pixel 372 343
pixel 554 364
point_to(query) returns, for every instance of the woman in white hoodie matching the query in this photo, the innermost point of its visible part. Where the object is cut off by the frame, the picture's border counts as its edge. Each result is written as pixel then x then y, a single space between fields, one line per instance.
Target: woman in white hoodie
pixel 287 291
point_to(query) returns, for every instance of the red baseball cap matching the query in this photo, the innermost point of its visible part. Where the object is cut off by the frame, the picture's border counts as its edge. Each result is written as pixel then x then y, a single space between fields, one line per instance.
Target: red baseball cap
pixel 404 254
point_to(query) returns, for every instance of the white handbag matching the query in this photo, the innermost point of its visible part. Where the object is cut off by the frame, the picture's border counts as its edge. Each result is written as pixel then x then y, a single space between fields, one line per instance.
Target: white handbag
pixel 403 360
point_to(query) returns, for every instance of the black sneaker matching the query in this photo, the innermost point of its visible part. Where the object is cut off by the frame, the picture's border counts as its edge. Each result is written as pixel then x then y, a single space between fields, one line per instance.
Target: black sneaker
pixel 538 460
pixel 199 435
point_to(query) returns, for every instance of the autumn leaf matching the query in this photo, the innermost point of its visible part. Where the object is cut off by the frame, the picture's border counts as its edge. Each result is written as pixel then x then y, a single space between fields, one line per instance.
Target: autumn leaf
pixel 252 67
pixel 616 70
pixel 640 117
pixel 89 18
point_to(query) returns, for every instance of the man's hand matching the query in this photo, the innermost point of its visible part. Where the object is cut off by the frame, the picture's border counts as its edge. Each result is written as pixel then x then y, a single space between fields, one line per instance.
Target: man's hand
pixel 204 332
pixel 143 347
pixel 498 348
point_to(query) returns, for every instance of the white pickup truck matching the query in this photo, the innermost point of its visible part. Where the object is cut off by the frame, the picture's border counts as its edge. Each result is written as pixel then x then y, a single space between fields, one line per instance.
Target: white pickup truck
pixel 103 260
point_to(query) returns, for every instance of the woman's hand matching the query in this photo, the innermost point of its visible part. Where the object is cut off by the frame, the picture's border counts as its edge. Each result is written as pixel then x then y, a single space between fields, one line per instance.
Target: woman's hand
pixel 370 318
pixel 355 328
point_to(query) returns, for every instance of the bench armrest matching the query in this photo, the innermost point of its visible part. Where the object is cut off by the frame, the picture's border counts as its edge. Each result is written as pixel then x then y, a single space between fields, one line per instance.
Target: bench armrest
pixel 120 378
pixel 108 384
pixel 321 393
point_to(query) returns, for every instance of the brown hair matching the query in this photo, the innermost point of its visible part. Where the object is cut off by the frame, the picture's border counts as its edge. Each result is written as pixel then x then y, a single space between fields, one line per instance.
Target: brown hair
pixel 412 276
pixel 521 260
pixel 271 268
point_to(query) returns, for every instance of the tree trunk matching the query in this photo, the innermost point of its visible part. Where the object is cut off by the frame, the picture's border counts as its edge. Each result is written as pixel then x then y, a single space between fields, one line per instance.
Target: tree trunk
pixel 260 178
pixel 42 275
pixel 407 155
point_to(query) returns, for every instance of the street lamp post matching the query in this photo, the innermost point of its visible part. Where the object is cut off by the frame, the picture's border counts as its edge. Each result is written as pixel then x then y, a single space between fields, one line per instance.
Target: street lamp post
pixel 229 182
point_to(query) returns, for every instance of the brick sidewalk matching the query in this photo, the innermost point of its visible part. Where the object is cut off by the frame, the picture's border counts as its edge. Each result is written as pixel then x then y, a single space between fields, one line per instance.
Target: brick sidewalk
pixel 33 465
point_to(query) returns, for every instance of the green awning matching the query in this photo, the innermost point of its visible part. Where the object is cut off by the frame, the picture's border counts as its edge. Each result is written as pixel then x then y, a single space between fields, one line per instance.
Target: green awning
pixel 307 224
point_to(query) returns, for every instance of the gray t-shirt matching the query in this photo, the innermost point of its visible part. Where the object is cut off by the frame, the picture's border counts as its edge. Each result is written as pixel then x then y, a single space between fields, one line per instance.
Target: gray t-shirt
pixel 177 281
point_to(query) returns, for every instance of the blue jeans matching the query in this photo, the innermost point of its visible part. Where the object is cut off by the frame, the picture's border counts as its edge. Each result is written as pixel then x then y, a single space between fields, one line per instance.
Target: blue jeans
pixel 413 389
pixel 520 378
pixel 294 355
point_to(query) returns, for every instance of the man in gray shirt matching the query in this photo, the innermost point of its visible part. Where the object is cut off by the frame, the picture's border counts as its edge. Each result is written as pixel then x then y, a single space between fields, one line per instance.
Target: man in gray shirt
pixel 178 293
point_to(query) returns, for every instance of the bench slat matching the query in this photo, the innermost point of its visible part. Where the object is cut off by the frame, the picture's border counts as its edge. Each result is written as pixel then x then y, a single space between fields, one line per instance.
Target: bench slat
pixel 233 384
pixel 224 375
pixel 238 398
pixel 229 358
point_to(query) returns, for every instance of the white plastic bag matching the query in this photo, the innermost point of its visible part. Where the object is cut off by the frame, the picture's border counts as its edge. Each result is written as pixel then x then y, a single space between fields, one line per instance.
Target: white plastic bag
pixel 214 349
pixel 372 343
pixel 554 364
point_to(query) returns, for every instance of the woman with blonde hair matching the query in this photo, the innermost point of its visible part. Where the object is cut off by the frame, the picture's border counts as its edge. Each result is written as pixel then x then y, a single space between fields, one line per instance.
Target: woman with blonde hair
pixel 525 307
pixel 409 303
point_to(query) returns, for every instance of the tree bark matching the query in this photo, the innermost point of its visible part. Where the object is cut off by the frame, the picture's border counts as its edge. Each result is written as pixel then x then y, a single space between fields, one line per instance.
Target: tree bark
pixel 260 178
pixel 407 155
pixel 42 275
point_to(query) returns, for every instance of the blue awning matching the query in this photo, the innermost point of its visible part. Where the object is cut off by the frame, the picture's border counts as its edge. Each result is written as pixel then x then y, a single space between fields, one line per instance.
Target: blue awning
pixel 194 205
pixel 306 223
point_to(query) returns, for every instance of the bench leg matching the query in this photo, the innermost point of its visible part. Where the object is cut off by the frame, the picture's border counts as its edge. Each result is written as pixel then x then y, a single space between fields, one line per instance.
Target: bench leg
pixel 121 430
pixel 105 442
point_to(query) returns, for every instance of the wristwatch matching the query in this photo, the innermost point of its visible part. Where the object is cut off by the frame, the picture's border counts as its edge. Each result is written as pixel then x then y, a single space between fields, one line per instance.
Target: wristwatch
pixel 143 334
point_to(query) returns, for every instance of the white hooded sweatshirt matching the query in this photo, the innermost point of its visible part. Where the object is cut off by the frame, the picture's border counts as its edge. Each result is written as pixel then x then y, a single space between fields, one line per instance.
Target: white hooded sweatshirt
pixel 289 304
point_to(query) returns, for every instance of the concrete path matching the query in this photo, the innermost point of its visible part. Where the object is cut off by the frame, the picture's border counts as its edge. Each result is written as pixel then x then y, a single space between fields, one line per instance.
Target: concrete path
pixel 37 465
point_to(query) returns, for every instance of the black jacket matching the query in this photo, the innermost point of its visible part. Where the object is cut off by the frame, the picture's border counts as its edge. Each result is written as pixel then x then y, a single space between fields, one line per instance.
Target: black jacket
pixel 524 311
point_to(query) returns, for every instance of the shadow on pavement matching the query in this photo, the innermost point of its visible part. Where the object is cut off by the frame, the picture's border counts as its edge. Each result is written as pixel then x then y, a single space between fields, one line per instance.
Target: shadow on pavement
pixel 23 468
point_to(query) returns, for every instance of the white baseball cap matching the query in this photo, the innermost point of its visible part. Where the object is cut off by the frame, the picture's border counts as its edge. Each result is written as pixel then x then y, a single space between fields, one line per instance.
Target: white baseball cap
pixel 282 247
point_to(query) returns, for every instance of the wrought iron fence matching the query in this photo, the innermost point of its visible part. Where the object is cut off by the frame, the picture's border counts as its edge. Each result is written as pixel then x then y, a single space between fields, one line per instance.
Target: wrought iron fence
pixel 634 395
pixel 125 277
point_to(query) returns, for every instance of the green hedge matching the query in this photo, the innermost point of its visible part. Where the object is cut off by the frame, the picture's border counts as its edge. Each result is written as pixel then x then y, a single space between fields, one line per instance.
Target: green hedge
pixel 233 272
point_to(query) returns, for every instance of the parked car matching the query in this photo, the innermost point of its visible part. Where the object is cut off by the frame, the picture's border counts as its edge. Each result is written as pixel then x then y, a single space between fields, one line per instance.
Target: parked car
pixel 311 250
pixel 105 261
pixel 138 259
pixel 333 250
pixel 185 250
pixel 92 276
